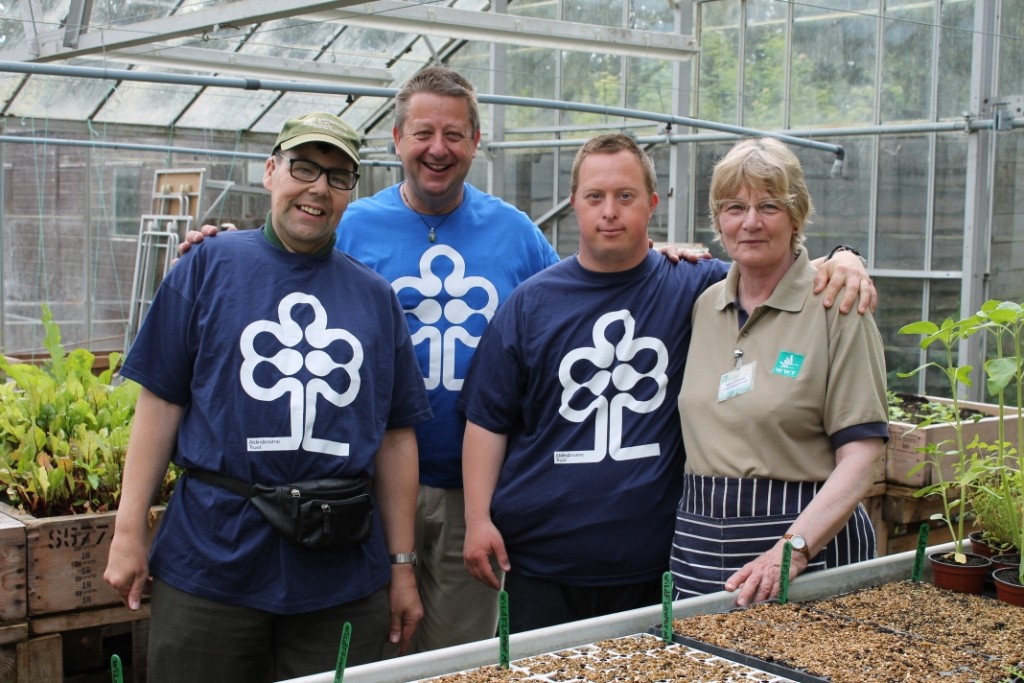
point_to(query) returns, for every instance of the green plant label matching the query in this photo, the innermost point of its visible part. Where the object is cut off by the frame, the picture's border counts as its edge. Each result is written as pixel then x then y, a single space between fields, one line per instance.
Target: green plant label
pixel 503 652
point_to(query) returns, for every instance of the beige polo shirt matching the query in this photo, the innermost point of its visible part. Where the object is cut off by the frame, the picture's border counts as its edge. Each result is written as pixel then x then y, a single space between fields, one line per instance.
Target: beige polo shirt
pixel 815 372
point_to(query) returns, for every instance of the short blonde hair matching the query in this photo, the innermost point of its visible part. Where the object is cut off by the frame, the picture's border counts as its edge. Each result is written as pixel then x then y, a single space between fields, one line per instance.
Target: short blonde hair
pixel 762 164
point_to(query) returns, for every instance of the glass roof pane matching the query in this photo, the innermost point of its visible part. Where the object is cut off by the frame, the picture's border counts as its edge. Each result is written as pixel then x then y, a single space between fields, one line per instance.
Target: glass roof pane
pixel 603 12
pixel 295 37
pixel 296 104
pixel 14 22
pixel 108 13
pixel 59 97
pixel 542 9
pixel 369 46
pixel 154 104
pixel 227 108
pixel 8 85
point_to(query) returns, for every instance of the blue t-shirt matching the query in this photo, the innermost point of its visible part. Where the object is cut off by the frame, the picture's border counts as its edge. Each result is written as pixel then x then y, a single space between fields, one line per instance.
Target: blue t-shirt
pixel 290 367
pixel 582 371
pixel 449 290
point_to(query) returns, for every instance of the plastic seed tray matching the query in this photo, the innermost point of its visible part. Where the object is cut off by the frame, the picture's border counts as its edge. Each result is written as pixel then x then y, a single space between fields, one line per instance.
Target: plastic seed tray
pixel 637 658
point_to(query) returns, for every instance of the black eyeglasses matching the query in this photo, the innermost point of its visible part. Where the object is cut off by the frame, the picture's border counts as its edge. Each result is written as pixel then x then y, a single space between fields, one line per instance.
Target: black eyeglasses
pixel 308 172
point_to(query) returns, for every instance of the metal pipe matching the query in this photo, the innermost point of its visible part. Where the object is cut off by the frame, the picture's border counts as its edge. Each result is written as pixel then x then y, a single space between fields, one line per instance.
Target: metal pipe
pixel 61 142
pixel 34 68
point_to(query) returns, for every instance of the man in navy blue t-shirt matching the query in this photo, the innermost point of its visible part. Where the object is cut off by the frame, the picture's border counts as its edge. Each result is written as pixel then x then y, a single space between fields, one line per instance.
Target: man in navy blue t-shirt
pixel 573 457
pixel 270 357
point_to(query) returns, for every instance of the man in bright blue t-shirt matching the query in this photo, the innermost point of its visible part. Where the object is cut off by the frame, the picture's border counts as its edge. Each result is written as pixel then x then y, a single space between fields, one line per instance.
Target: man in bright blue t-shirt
pixel 452 254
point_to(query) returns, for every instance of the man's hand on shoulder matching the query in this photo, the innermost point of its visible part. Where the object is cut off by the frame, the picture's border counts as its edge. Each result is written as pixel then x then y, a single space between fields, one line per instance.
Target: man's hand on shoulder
pixel 845 269
pixel 197 236
pixel 676 253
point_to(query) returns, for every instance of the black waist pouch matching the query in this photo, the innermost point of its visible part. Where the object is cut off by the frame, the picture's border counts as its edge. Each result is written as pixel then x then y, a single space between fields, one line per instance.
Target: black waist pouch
pixel 325 513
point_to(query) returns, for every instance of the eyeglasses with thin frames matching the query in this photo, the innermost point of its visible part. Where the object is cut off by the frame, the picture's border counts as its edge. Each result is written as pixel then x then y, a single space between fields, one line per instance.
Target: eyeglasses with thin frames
pixel 308 172
pixel 766 208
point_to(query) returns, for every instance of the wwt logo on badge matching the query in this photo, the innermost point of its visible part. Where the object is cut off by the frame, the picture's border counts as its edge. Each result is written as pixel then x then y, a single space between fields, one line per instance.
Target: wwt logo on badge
pixel 788 364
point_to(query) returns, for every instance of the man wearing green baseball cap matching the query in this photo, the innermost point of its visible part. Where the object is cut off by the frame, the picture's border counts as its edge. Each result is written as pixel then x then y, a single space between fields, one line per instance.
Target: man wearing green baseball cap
pixel 274 366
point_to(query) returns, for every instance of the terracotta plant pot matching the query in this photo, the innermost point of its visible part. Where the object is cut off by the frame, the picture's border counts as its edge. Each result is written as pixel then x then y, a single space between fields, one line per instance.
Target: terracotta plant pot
pixel 1008 586
pixel 1005 560
pixel 962 578
pixel 981 547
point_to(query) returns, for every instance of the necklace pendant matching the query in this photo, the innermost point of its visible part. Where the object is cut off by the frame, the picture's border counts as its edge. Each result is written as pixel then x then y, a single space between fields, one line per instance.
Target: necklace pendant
pixel 432 236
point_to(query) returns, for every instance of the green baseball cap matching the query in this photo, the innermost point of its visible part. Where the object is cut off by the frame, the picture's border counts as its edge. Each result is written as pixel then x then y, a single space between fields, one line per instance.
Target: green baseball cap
pixel 319 126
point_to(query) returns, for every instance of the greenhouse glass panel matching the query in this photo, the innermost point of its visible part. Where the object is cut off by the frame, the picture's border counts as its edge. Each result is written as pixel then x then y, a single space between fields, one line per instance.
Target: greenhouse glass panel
pixel 825 90
pixel 528 181
pixel 1008 217
pixel 649 86
pixel 764 75
pixel 902 299
pixel 591 78
pixel 1011 49
pixel 949 204
pixel 708 155
pixel 368 46
pixel 112 13
pixel 226 108
pixel 903 163
pixel 9 84
pixel 719 62
pixel 907 60
pixel 541 9
pixel 154 104
pixel 59 97
pixel 600 12
pixel 531 73
pixel 657 227
pixel 654 16
pixel 956 40
pixel 842 203
pixel 297 104
pixel 295 38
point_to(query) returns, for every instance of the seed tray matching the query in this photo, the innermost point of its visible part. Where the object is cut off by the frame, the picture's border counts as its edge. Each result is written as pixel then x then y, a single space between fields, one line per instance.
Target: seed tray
pixel 639 658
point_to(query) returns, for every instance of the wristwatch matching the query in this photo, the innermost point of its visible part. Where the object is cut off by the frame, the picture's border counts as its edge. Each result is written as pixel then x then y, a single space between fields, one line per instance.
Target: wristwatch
pixel 404 558
pixel 799 543
pixel 846 247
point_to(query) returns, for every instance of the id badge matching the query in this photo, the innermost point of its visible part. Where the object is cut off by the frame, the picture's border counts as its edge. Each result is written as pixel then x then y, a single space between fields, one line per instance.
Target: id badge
pixel 736 382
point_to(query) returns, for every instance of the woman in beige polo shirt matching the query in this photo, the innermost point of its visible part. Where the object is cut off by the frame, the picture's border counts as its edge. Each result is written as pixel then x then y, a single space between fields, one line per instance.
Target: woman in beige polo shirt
pixel 783 403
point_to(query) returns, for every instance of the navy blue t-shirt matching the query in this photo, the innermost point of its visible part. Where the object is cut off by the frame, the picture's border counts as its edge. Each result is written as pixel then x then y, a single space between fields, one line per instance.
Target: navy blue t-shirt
pixel 290 368
pixel 582 371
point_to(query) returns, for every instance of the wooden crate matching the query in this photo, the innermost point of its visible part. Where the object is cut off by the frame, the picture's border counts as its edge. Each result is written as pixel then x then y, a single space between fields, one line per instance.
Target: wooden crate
pixel 89 637
pixel 12 570
pixel 65 558
pixel 903 515
pixel 76 647
pixel 903 450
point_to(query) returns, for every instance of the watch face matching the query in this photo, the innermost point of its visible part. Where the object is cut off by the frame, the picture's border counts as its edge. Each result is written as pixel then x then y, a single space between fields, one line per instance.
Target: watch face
pixel 798 542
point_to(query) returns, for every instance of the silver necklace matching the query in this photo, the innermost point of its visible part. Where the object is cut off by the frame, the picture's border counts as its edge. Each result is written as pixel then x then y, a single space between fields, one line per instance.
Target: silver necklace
pixel 432 229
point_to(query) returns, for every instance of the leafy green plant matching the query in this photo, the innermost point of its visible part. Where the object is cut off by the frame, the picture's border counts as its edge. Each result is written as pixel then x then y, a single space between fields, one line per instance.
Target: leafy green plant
pixel 988 475
pixel 64 432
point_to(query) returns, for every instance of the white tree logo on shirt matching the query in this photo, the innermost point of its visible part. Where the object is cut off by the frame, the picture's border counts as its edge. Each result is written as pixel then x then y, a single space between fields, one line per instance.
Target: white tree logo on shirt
pixel 455 286
pixel 288 361
pixel 606 392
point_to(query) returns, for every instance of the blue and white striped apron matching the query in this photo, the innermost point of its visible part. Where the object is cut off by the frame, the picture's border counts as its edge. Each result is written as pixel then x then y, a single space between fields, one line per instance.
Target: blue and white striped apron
pixel 722 523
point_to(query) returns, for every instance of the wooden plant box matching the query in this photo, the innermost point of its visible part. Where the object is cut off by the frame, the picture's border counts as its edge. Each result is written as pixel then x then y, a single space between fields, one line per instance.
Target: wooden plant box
pixel 65 558
pixel 903 450
pixel 13 593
